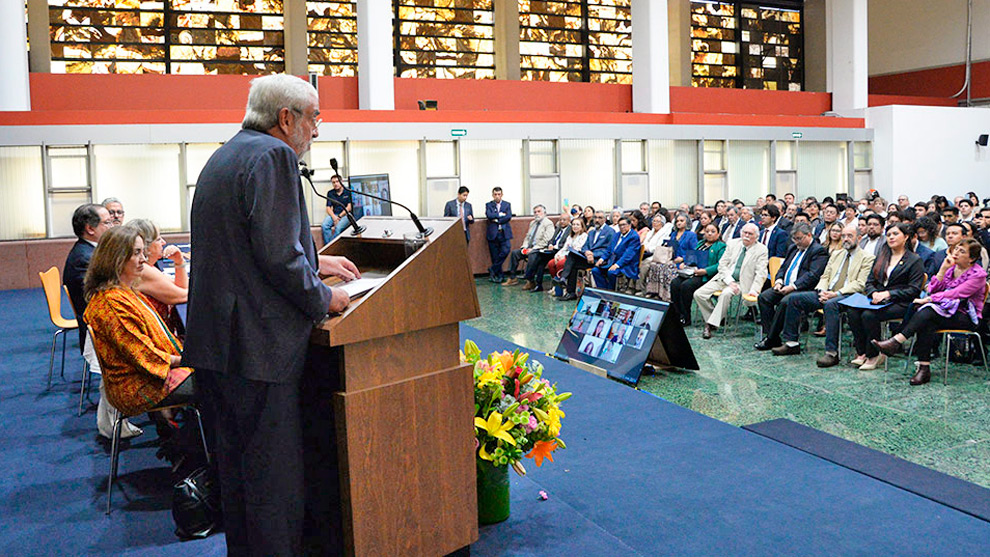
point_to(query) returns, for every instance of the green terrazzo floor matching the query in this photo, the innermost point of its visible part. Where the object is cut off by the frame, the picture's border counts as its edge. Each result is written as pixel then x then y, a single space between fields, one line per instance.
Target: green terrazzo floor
pixel 946 428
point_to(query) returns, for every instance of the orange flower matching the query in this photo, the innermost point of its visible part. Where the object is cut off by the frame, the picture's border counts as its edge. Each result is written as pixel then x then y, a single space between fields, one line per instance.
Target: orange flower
pixel 541 450
pixel 506 359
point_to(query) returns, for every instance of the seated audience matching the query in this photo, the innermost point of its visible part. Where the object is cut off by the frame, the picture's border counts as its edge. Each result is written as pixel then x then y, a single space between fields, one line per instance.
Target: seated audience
pixel 683 287
pixel 613 219
pixel 163 292
pixel 597 252
pixel 89 222
pixel 969 231
pixel 772 236
pixel 741 272
pixel 954 233
pixel 731 225
pixel 662 271
pixel 537 238
pixel 116 210
pixel 896 279
pixel 538 260
pixel 928 234
pixel 639 224
pixel 799 272
pixel 140 357
pixel 833 237
pixel 624 259
pixel 654 238
pixel 955 301
pixel 589 217
pixel 873 239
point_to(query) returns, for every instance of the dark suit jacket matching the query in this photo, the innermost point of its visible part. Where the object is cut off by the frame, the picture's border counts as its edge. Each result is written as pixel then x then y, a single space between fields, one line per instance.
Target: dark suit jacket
pixel 927 256
pixel 491 213
pixel 905 282
pixel 600 242
pixel 255 295
pixel 779 240
pixel 784 224
pixel 72 277
pixel 559 238
pixel 810 269
pixel 450 210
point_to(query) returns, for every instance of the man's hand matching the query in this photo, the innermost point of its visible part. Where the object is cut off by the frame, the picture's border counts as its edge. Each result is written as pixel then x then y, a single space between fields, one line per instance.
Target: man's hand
pixel 339 300
pixel 778 285
pixel 922 301
pixel 734 288
pixel 880 297
pixel 590 255
pixel 787 289
pixel 826 295
pixel 600 262
pixel 338 266
pixel 614 267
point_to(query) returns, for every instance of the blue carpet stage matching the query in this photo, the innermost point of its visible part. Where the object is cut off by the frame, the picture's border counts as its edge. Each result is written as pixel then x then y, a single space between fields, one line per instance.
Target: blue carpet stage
pixel 641 476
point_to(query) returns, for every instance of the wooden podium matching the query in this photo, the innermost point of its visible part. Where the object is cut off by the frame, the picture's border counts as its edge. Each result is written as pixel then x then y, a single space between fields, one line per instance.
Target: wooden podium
pixel 404 414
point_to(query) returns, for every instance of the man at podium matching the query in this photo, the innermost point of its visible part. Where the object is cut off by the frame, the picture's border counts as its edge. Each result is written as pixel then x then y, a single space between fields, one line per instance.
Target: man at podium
pixel 255 295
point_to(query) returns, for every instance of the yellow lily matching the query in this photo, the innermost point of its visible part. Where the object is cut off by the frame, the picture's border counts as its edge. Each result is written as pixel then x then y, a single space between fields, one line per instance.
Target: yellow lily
pixel 496 428
pixel 484 455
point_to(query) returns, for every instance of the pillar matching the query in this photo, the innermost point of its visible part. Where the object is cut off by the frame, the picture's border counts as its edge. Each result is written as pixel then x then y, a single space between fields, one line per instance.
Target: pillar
pixel 651 57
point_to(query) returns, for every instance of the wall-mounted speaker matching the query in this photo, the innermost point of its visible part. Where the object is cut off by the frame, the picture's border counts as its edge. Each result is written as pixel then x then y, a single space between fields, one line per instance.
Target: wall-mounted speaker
pixel 983 140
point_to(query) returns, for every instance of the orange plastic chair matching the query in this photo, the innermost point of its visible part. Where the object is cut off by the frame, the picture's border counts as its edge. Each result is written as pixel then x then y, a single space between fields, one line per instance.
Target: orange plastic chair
pixel 50 281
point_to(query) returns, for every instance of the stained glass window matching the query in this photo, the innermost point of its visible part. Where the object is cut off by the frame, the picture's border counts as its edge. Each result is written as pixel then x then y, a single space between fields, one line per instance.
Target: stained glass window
pixel 741 45
pixel 167 36
pixel 445 38
pixel 589 40
pixel 332 38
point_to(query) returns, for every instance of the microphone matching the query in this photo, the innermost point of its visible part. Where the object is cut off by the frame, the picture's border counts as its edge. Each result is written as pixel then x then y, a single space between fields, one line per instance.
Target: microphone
pixel 423 231
pixel 306 173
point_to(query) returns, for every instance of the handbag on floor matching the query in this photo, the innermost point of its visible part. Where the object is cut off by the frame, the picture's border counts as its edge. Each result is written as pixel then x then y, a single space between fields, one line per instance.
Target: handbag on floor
pixel 196 505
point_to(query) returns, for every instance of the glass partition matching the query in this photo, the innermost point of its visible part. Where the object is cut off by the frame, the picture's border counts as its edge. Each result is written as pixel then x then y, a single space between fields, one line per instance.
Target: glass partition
pixel 22 194
pixel 146 180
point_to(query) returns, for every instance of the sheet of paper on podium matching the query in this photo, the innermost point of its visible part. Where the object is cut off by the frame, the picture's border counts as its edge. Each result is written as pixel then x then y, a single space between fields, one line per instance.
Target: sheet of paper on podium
pixel 359 287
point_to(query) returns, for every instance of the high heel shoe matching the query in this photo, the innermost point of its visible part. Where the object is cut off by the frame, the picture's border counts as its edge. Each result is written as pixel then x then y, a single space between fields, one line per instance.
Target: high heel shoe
pixel 867 366
pixel 858 361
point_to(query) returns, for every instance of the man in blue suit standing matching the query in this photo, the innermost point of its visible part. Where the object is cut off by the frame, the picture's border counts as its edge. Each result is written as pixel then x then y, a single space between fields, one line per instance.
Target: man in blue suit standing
pixel 462 209
pixel 772 236
pixel 499 234
pixel 624 259
pixel 597 252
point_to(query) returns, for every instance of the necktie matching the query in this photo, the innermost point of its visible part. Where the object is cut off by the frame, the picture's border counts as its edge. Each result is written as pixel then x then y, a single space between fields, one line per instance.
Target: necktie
pixel 766 237
pixel 739 262
pixel 460 215
pixel 528 242
pixel 840 277
pixel 792 267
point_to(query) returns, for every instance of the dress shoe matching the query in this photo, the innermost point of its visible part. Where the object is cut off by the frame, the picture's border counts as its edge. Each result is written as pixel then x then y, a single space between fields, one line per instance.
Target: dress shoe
pixel 512 281
pixel 786 350
pixel 567 297
pixel 867 366
pixel 858 361
pixel 888 347
pixel 707 333
pixel 766 344
pixel 819 332
pixel 528 285
pixel 828 360
pixel 536 288
pixel 923 375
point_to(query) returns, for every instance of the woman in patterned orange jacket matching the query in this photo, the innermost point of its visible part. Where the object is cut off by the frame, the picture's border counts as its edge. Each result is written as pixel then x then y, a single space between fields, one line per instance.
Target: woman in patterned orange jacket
pixel 140 357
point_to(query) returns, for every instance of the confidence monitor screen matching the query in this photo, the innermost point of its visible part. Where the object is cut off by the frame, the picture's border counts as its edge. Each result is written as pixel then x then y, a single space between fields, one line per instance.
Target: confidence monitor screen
pixel 612 331
pixel 375 184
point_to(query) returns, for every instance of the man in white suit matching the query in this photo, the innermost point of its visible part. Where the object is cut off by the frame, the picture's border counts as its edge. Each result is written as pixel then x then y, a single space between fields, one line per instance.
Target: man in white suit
pixel 741 271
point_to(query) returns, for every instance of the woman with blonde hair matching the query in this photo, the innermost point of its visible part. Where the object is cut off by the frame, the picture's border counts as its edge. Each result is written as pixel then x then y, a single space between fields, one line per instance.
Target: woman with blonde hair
pixel 139 356
pixel 163 292
pixel 833 239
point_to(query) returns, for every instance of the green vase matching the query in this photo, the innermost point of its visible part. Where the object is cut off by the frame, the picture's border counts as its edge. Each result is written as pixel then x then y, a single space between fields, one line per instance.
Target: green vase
pixel 493 492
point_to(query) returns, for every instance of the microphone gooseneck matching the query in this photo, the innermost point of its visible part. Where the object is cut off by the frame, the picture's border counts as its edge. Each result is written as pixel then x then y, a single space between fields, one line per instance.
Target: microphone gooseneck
pixel 423 231
pixel 307 173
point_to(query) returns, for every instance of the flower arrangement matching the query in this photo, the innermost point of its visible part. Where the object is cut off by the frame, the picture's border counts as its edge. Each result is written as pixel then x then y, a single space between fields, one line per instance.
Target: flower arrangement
pixel 516 411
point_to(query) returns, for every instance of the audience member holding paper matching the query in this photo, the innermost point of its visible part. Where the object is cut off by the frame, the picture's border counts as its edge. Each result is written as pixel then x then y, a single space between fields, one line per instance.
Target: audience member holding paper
pixel 661 271
pixel 896 279
pixel 683 287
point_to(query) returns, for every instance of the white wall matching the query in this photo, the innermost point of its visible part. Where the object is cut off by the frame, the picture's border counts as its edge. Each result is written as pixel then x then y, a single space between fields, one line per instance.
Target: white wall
pixel 920 151
pixel 909 35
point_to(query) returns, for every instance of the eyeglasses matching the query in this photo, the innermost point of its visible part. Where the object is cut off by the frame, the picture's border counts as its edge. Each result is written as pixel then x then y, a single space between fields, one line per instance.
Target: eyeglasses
pixel 315 119
pixel 120 212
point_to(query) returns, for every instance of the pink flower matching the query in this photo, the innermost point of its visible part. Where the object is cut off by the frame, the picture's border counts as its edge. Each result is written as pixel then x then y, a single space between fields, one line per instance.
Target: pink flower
pixel 543 495
pixel 532 424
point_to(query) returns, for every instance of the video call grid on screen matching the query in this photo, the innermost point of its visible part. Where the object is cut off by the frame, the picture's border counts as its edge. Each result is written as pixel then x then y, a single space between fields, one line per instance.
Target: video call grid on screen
pixel 375 184
pixel 612 331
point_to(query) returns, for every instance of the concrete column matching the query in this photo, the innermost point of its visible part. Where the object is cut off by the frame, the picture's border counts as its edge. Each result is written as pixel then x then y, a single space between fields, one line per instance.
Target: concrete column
pixel 15 95
pixel 679 31
pixel 295 26
pixel 40 57
pixel 847 72
pixel 651 57
pixel 507 59
pixel 376 73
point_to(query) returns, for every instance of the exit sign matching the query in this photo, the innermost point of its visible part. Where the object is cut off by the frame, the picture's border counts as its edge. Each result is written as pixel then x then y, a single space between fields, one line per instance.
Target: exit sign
pixel 458 132
pixel 797 135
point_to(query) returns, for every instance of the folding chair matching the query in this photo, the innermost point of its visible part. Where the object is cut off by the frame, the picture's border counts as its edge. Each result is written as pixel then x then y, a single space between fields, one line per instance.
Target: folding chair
pixel 50 281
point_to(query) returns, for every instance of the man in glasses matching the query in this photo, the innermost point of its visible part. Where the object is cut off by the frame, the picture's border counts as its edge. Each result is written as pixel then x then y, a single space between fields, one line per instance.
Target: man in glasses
pixel 116 210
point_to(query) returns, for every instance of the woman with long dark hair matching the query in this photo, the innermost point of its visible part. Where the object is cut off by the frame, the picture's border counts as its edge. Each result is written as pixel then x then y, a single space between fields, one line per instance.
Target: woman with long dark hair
pixel 896 279
pixel 682 288
pixel 954 301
